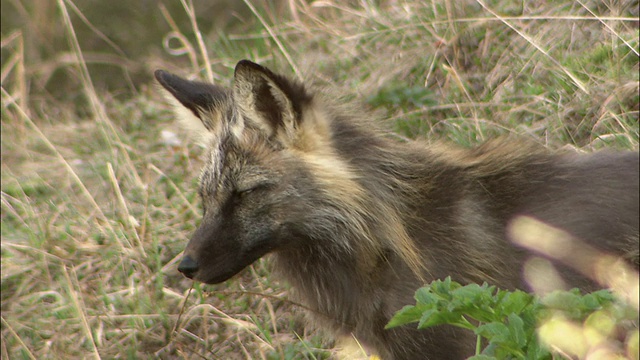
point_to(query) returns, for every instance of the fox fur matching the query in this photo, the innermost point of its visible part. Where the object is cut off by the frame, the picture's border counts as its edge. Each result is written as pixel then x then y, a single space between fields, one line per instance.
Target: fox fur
pixel 357 220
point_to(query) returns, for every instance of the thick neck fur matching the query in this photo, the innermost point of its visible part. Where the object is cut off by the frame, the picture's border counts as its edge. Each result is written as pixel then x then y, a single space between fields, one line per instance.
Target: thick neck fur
pixel 346 286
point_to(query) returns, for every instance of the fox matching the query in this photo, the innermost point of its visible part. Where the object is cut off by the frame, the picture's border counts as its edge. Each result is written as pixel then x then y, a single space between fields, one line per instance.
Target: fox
pixel 356 219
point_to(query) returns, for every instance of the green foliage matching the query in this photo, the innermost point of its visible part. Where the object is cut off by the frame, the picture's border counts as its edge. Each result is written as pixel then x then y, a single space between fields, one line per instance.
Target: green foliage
pixel 302 349
pixel 504 321
pixel 402 97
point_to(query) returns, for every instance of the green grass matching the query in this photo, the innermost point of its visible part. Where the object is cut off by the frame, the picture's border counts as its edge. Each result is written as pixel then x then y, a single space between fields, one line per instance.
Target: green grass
pixel 96 208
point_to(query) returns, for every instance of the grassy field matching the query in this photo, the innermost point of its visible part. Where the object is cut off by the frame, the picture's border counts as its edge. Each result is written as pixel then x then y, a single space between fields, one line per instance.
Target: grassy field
pixel 98 183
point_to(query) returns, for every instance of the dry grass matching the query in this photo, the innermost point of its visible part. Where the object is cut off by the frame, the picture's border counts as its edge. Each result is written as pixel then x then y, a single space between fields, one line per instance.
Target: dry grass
pixel 96 207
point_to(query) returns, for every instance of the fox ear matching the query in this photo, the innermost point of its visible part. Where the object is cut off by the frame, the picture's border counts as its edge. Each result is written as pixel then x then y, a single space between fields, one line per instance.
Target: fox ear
pixel 206 103
pixel 269 101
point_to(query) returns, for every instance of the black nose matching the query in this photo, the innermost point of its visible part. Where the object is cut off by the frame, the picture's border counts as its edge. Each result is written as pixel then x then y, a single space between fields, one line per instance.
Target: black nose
pixel 188 266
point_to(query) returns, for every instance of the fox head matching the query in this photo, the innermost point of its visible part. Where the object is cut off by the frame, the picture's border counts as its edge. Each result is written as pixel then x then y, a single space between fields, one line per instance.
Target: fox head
pixel 267 168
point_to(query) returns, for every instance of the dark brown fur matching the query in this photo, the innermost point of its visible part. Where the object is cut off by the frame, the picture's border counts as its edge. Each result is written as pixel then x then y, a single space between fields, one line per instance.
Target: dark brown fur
pixel 356 221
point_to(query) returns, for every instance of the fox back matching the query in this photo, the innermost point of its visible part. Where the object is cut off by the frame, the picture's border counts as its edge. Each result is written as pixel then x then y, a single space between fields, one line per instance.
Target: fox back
pixel 356 220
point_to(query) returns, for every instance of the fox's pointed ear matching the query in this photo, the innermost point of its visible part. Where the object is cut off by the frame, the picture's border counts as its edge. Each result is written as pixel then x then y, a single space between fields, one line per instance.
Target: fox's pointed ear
pixel 206 103
pixel 269 101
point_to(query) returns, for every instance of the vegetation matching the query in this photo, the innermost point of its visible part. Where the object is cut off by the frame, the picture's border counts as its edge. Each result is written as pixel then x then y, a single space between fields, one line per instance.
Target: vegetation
pixel 98 183
pixel 506 323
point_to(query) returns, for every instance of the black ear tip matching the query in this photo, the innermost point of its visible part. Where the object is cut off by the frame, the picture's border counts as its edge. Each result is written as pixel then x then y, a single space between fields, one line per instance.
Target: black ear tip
pixel 248 64
pixel 245 62
pixel 161 75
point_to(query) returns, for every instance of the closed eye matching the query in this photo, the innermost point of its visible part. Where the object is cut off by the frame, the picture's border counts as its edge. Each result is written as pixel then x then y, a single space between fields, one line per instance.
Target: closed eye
pixel 202 202
pixel 246 190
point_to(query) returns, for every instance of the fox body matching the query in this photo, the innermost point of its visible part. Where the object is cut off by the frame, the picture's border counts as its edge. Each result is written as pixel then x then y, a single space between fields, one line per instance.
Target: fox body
pixel 356 220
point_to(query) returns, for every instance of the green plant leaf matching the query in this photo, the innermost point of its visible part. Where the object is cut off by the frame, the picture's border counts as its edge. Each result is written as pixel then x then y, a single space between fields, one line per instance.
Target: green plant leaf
pixel 495 332
pixel 516 329
pixel 407 314
pixel 482 357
